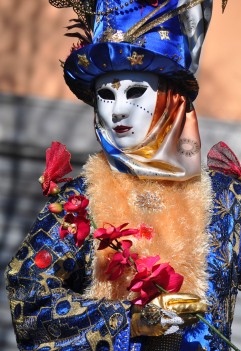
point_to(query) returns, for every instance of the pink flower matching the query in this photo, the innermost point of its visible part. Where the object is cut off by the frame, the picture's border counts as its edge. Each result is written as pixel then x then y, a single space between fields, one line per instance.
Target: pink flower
pixel 110 233
pixel 120 260
pixel 57 165
pixel 149 275
pixel 76 203
pixel 78 226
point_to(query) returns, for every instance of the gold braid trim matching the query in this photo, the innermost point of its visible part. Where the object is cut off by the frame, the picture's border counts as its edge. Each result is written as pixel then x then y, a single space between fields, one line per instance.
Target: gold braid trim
pixel 166 16
pixel 133 29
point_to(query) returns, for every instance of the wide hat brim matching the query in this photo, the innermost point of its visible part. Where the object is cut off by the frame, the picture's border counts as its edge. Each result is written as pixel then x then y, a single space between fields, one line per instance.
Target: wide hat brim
pixel 84 65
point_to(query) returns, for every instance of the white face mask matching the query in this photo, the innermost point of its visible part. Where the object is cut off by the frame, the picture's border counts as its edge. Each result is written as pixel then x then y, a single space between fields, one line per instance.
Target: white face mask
pixel 125 105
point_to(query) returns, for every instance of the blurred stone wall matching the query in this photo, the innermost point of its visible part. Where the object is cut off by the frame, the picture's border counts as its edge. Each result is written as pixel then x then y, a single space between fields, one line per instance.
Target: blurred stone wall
pixel 32 42
pixel 220 66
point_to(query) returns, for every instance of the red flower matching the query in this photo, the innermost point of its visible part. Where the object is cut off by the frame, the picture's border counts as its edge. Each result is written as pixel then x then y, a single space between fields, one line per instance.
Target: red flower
pixel 145 232
pixel 76 203
pixel 120 260
pixel 57 165
pixel 110 233
pixel 149 275
pixel 78 226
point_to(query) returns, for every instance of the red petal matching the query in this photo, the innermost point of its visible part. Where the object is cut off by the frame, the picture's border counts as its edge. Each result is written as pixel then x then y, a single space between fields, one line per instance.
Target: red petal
pixel 58 160
pixel 175 282
pixel 117 257
pixel 99 233
pixel 76 203
pixel 103 244
pixel 122 226
pixel 136 286
pixel 146 262
pixel 130 231
pixel 134 256
pixel 160 268
pixel 126 244
pixel 116 273
pixel 63 233
pixel 57 164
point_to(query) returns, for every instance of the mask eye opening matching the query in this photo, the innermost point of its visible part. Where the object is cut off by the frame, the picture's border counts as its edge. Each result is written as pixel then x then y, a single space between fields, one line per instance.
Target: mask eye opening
pixel 106 94
pixel 135 92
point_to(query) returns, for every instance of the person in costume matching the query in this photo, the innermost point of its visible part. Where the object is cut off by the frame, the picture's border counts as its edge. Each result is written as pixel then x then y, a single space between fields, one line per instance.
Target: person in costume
pixel 134 63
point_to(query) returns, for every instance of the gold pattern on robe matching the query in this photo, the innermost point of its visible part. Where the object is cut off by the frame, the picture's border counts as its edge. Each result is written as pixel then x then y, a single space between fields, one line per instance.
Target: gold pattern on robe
pixel 94 337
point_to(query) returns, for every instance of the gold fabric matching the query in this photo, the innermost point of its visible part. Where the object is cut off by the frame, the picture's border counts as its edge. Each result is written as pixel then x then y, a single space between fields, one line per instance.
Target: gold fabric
pixel 180 303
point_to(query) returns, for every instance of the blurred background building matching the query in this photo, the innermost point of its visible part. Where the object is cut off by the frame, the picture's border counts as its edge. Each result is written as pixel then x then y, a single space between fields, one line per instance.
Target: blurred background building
pixel 36 107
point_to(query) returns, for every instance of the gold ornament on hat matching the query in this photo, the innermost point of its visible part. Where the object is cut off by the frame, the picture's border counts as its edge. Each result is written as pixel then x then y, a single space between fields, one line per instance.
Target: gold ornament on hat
pixel 116 83
pixel 142 27
pixel 135 59
pixel 164 34
pixel 86 10
pixel 83 61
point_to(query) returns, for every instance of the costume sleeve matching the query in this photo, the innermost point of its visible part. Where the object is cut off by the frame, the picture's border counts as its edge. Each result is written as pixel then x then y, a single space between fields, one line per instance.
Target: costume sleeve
pixel 239 264
pixel 45 281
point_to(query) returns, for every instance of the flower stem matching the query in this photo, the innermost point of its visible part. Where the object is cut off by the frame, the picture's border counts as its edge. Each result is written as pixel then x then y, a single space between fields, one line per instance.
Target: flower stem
pixel 92 222
pixel 160 288
pixel 217 332
pixel 133 264
pixel 61 197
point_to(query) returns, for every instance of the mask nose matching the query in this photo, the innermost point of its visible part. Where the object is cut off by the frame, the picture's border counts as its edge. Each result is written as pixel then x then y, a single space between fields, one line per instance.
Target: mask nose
pixel 117 117
pixel 120 111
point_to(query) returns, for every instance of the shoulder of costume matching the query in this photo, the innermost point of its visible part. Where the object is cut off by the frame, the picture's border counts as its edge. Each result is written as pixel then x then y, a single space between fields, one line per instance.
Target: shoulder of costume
pixel 224 167
pixel 75 186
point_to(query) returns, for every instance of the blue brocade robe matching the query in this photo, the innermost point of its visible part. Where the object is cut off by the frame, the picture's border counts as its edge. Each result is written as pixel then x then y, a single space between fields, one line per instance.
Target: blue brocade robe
pixel 49 312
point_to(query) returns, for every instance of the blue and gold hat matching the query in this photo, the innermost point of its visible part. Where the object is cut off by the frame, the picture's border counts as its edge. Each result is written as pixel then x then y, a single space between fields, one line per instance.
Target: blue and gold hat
pixel 159 36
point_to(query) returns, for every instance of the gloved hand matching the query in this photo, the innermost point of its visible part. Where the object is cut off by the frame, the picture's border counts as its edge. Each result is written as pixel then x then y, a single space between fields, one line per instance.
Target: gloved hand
pixel 165 314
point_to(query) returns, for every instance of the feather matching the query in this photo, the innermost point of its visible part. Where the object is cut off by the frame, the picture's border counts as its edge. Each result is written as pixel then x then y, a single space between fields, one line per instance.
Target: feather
pixel 79 36
pixel 79 24
pixel 224 4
